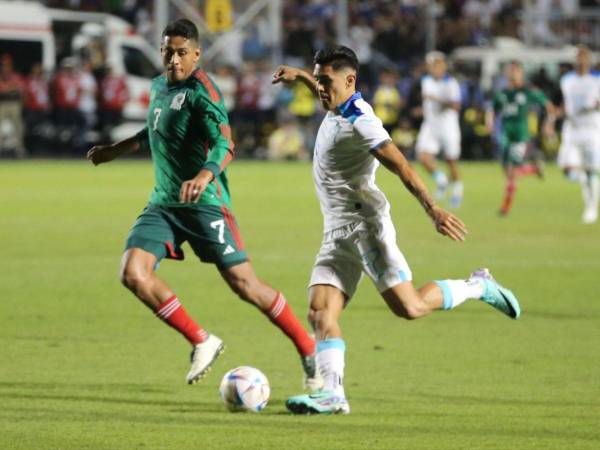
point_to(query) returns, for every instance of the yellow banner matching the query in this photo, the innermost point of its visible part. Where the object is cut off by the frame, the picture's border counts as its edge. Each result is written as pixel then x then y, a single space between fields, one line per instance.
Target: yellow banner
pixel 219 15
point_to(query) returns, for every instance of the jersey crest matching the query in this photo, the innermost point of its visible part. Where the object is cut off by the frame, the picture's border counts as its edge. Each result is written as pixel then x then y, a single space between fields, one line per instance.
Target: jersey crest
pixel 177 101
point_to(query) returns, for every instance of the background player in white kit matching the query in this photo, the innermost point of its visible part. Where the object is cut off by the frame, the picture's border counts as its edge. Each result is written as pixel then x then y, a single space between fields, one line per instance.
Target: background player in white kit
pixel 440 130
pixel 359 235
pixel 579 153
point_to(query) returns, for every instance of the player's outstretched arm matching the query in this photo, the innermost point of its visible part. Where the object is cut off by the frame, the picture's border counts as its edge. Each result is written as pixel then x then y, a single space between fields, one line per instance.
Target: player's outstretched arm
pixel 445 223
pixel 288 75
pixel 99 154
pixel 550 120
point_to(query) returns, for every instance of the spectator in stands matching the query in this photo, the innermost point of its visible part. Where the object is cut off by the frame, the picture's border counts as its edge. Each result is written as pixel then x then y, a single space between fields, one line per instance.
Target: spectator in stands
pixel 387 101
pixel 113 96
pixel 36 107
pixel 225 79
pixel 287 142
pixel 65 92
pixel 246 123
pixel 303 107
pixel 267 100
pixel 87 100
pixel 11 97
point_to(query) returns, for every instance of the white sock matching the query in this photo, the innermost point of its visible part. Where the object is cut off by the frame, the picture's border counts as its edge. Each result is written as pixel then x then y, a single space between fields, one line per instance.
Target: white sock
pixel 594 184
pixel 440 178
pixel 456 292
pixel 330 361
pixel 457 189
pixel 586 190
pixel 574 175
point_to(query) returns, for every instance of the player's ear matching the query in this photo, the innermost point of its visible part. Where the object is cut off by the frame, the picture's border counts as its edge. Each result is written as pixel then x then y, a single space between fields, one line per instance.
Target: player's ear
pixel 197 53
pixel 350 79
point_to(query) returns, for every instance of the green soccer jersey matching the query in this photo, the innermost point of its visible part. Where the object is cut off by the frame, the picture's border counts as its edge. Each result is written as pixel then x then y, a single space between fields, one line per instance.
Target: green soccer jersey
pixel 513 107
pixel 187 129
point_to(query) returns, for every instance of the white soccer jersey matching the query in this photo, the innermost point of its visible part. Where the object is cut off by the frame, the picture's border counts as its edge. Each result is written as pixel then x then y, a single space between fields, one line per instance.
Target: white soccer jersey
pixel 581 92
pixel 344 167
pixel 433 91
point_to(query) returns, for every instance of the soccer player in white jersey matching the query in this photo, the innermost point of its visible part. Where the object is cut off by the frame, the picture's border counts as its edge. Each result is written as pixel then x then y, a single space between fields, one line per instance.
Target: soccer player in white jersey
pixel 359 235
pixel 440 130
pixel 579 153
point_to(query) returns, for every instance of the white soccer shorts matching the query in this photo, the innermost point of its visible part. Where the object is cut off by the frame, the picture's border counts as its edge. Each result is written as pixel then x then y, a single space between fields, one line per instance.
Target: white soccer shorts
pixel 580 147
pixel 368 247
pixel 433 139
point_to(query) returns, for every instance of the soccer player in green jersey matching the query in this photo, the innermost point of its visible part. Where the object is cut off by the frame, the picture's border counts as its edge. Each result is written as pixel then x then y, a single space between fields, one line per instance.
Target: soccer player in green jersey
pixel 513 105
pixel 188 134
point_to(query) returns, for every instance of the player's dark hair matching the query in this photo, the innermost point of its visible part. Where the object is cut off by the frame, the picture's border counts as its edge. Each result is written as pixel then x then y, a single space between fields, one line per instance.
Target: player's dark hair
pixel 182 27
pixel 337 56
pixel 515 62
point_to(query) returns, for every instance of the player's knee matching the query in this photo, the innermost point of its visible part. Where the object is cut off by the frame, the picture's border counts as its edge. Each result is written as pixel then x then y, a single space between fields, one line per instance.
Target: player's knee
pixel 132 276
pixel 244 287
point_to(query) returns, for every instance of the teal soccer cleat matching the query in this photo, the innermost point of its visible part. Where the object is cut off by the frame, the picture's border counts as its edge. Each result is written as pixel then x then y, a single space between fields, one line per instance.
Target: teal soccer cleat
pixel 496 295
pixel 325 402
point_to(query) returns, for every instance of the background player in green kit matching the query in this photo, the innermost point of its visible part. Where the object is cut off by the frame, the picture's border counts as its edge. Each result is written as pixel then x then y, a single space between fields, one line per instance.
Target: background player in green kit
pixel 188 134
pixel 513 105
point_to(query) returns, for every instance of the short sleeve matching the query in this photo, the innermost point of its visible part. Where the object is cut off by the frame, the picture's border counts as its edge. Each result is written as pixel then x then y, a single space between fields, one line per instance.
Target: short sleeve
pixel 454 91
pixel 370 128
pixel 537 96
pixel 426 87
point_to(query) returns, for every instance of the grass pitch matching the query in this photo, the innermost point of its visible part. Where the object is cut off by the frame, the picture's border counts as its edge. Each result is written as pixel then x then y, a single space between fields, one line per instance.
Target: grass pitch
pixel 83 365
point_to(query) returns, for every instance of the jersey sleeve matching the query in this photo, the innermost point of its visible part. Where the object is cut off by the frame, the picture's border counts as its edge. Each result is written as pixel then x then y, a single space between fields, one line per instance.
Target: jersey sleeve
pixel 368 125
pixel 216 128
pixel 537 96
pixel 454 94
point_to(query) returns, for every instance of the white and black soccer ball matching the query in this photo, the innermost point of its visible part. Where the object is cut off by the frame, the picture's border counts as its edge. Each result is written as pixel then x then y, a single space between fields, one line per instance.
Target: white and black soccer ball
pixel 245 389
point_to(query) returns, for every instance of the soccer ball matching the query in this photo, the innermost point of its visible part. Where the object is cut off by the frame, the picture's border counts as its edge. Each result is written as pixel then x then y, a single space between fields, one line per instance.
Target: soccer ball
pixel 245 389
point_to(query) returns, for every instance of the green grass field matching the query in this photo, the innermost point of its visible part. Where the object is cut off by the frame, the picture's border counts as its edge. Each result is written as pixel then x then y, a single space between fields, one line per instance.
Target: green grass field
pixel 84 366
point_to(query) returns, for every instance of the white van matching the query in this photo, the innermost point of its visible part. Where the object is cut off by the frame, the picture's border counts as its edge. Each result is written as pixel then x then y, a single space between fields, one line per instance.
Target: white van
pixel 33 33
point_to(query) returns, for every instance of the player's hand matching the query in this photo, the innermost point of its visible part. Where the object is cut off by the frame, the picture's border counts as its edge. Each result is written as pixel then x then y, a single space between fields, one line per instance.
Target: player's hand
pixel 99 154
pixel 285 74
pixel 448 224
pixel 191 190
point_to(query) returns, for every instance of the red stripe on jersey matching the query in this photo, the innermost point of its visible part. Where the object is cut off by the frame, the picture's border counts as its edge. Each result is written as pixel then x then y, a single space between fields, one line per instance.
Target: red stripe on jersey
pixel 203 78
pixel 226 132
pixel 235 232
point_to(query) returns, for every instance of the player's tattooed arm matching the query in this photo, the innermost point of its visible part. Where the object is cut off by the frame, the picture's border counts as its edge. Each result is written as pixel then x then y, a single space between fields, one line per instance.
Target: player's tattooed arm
pixel 288 75
pixel 549 121
pixel 99 154
pixel 445 223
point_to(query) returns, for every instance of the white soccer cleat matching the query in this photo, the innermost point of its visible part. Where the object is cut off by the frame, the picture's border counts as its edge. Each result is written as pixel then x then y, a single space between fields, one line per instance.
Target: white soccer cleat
pixel 590 215
pixel 203 357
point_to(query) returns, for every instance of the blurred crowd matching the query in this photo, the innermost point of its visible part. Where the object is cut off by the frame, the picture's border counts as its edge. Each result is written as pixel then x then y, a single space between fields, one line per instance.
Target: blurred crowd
pixel 279 122
pixel 61 113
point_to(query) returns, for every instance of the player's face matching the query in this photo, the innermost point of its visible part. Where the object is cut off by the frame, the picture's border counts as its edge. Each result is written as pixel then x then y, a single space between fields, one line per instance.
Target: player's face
pixel 438 68
pixel 180 57
pixel 514 74
pixel 334 87
pixel 584 60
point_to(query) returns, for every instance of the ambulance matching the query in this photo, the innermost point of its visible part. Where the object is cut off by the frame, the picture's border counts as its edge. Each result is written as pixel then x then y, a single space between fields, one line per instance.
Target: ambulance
pixel 31 33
